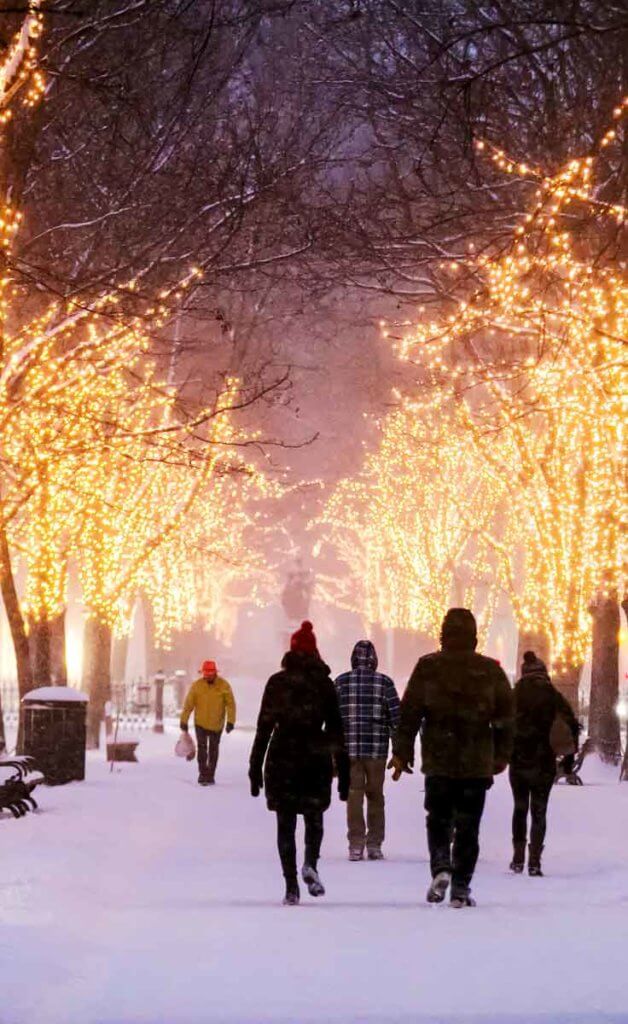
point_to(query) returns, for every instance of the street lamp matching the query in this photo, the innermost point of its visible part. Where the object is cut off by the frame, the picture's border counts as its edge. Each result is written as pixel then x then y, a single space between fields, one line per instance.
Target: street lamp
pixel 159 679
pixel 621 709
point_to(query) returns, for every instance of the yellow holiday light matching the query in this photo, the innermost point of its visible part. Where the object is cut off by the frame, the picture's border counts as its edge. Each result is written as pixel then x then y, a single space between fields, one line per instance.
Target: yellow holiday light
pixel 410 526
pixel 508 472
pixel 99 463
pixel 18 70
pixel 534 364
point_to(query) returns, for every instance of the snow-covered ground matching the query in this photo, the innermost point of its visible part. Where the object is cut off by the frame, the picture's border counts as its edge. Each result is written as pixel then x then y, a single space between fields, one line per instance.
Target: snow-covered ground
pixel 138 897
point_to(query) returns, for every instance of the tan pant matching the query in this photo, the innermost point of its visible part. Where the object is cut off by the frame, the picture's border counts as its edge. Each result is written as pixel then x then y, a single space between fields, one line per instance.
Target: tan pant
pixel 367 780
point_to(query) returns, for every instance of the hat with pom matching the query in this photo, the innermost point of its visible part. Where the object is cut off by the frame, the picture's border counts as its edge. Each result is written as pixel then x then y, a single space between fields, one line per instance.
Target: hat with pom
pixel 304 640
pixel 532 665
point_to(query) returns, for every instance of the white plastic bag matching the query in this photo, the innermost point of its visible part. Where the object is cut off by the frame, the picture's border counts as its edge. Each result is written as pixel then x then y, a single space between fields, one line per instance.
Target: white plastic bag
pixel 185 747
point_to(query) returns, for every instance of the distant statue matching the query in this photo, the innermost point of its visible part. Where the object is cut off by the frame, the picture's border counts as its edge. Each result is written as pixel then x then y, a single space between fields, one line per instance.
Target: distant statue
pixel 297 593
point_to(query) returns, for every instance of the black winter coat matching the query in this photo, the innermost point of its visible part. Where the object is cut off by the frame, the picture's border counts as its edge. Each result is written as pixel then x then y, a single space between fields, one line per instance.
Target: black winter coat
pixel 536 704
pixel 462 704
pixel 299 724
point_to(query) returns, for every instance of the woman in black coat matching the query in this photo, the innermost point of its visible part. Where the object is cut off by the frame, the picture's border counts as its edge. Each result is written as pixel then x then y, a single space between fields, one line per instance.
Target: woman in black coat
pixel 299 732
pixel 533 761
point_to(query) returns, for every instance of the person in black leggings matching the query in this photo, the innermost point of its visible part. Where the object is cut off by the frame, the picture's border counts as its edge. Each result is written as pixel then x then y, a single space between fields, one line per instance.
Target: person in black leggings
pixel 299 737
pixel 533 762
pixel 287 846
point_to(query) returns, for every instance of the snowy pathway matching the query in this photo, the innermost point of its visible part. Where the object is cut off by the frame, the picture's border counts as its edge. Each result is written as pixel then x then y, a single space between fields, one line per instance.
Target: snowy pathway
pixel 139 897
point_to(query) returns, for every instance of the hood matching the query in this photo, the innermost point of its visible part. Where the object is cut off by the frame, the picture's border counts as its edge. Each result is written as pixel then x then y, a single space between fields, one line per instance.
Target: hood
pixel 364 656
pixel 459 631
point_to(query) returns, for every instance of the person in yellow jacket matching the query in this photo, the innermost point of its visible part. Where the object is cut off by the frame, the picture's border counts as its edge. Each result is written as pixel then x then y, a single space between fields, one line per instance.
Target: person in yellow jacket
pixel 211 700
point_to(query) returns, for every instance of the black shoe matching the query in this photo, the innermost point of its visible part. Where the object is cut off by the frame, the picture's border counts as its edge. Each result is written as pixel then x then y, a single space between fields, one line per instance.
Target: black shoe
pixel 203 780
pixel 292 897
pixel 375 853
pixel 516 867
pixel 462 899
pixel 438 888
pixel 534 870
pixel 311 878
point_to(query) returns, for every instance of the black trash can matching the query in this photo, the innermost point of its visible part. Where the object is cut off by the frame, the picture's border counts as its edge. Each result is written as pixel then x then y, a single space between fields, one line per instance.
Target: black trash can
pixel 54 732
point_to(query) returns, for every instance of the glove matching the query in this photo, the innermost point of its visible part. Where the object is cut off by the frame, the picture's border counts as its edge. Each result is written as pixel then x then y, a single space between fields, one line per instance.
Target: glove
pixel 183 726
pixel 343 770
pixel 257 783
pixel 398 766
pixel 229 727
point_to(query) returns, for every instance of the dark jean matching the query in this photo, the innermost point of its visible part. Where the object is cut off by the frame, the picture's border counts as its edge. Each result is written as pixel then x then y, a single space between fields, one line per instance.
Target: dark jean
pixel 286 840
pixel 208 744
pixel 530 794
pixel 454 811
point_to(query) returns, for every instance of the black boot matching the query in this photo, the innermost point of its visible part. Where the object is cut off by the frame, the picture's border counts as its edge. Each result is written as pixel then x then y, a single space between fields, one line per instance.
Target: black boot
pixel 518 857
pixel 534 861
pixel 293 895
pixel 310 876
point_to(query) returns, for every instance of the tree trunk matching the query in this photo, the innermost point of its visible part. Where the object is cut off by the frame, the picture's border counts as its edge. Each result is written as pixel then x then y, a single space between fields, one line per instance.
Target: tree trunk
pixel 118 658
pixel 603 719
pixel 96 676
pixel 153 653
pixel 39 644
pixel 15 617
pixel 532 640
pixel 58 664
pixel 567 680
pixel 3 742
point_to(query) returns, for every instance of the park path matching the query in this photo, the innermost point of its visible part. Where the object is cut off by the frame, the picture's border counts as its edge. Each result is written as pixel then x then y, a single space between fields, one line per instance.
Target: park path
pixel 139 898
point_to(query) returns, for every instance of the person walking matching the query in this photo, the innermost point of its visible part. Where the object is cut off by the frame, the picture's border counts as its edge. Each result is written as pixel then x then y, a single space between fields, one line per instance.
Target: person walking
pixel 369 706
pixel 212 701
pixel 462 704
pixel 299 736
pixel 533 763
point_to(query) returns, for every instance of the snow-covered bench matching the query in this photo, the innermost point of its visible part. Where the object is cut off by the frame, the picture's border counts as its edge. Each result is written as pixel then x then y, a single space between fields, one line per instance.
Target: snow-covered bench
pixel 121 749
pixel 18 778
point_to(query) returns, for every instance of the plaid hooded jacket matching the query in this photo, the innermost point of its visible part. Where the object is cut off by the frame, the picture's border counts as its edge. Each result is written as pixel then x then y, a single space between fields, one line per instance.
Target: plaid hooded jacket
pixel 369 705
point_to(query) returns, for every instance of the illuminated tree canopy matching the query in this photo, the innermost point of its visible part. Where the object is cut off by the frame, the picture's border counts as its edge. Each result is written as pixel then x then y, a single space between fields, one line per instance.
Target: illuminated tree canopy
pixel 510 463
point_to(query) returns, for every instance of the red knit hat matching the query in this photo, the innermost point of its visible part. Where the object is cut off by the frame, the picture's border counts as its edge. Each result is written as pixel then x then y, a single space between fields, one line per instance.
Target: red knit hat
pixel 304 641
pixel 208 668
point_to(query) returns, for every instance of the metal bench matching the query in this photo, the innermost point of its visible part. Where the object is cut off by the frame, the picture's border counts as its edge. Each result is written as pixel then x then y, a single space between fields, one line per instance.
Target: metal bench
pixel 16 788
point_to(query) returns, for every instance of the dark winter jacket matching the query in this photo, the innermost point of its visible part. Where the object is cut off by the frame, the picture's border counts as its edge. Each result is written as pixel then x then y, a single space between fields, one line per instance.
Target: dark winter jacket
pixel 299 724
pixel 462 704
pixel 369 704
pixel 537 703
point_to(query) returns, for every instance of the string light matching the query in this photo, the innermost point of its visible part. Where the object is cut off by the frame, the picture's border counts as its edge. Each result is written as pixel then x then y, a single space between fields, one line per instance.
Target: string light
pixel 100 465
pixel 511 464
pixel 410 545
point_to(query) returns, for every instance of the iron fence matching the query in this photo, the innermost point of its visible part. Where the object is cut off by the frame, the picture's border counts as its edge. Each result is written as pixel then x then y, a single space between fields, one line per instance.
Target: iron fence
pixel 132 704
